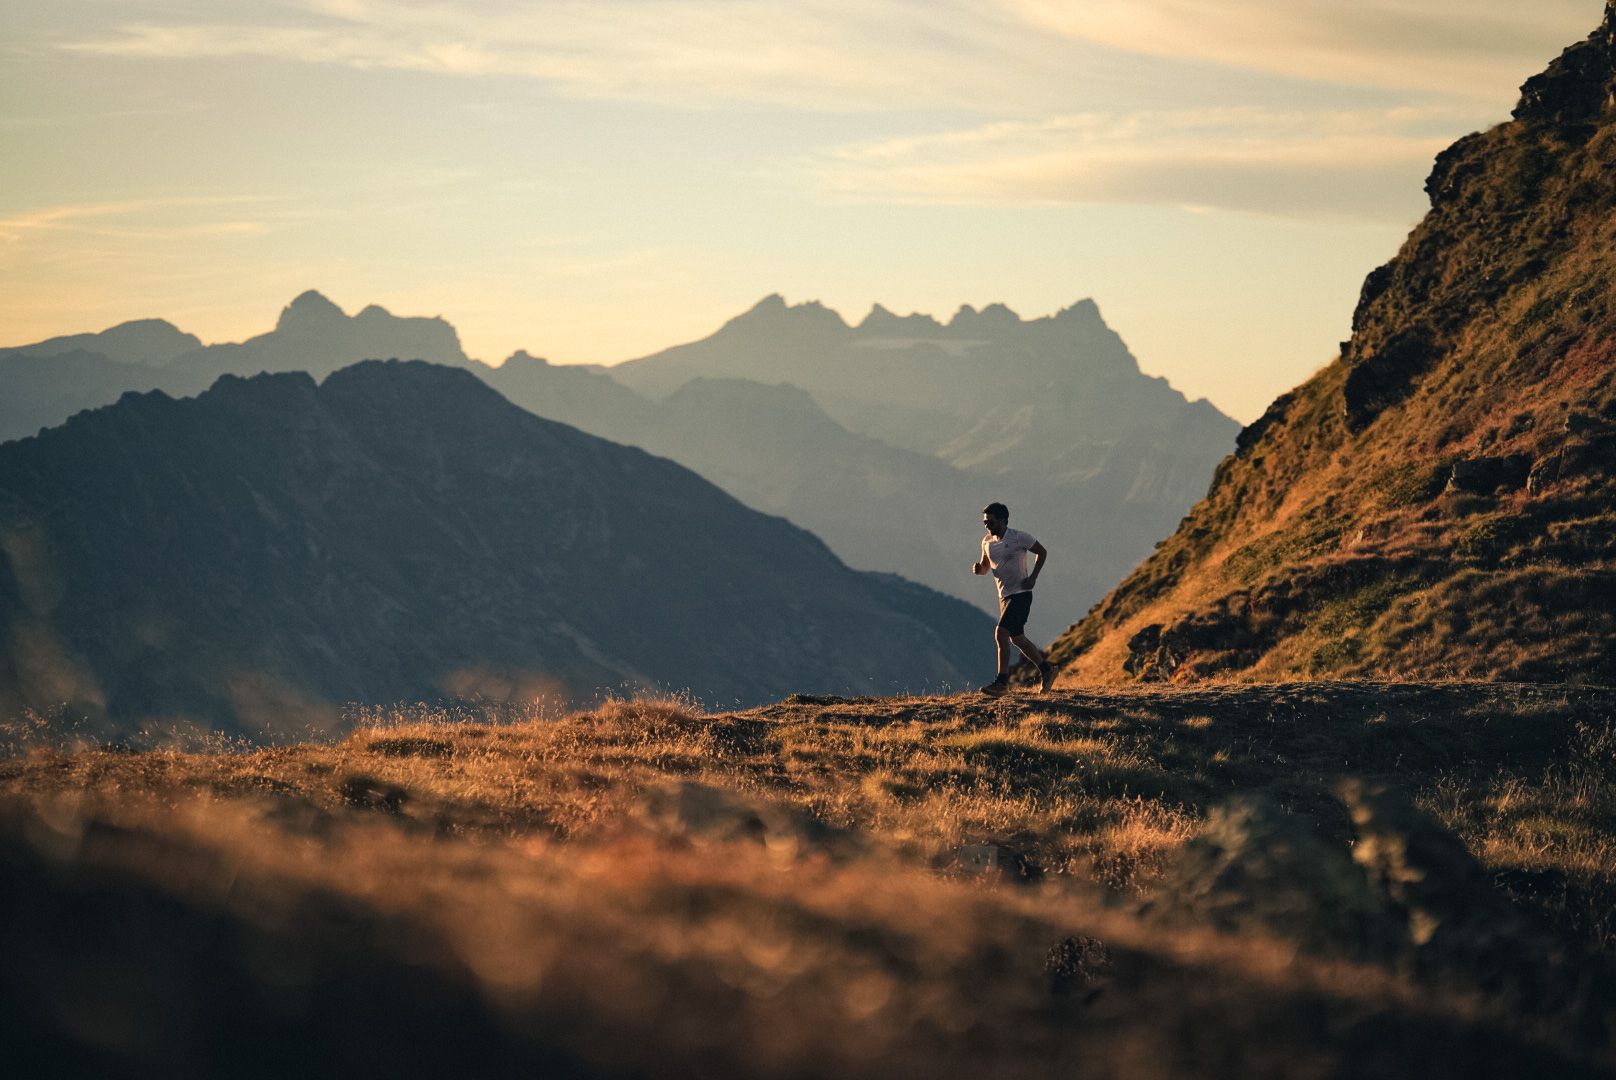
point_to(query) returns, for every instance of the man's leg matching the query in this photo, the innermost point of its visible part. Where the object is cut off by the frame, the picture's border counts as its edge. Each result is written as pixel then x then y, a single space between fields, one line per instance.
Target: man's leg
pixel 1028 649
pixel 1046 674
pixel 1001 682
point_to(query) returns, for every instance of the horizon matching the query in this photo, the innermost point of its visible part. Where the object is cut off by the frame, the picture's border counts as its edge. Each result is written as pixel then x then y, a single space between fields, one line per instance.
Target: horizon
pixel 593 187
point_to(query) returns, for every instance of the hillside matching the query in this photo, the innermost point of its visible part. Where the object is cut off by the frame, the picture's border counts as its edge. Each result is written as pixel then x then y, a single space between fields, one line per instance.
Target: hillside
pixel 255 557
pixel 1225 883
pixel 1438 501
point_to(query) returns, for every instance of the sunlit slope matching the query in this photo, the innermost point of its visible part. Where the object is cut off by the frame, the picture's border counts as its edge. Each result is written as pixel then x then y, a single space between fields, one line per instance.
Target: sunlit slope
pixel 1437 501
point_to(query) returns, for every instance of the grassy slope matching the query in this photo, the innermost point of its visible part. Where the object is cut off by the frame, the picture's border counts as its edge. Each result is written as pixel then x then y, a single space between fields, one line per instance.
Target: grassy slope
pixel 1327 546
pixel 469 894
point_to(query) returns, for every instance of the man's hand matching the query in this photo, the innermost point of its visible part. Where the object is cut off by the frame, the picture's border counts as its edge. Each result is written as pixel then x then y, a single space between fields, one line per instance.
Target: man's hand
pixel 1028 583
pixel 979 568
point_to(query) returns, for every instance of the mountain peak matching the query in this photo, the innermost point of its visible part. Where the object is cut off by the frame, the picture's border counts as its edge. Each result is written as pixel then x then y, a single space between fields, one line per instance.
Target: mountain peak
pixel 310 309
pixel 773 313
pixel 522 356
pixel 993 317
pixel 1081 311
pixel 1580 84
pixel 881 320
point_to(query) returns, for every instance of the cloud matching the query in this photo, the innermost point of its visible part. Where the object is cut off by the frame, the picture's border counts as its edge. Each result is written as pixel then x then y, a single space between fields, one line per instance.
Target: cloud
pixel 189 215
pixel 1363 164
pixel 840 54
pixel 1479 49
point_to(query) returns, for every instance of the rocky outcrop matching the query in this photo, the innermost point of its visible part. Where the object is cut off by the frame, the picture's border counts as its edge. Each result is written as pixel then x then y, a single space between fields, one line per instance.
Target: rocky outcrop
pixel 1580 85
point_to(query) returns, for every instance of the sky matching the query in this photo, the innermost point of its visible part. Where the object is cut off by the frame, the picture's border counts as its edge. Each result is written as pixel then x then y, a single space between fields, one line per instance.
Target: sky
pixel 594 180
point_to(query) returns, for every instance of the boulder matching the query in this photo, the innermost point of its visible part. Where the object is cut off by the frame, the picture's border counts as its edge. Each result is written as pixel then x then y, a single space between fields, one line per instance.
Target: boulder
pixel 1077 966
pixel 1454 916
pixel 1485 475
pixel 1256 867
pixel 998 861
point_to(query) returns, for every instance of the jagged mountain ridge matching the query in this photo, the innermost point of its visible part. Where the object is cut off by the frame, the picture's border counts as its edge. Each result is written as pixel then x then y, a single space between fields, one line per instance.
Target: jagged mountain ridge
pixel 276 546
pixel 1438 501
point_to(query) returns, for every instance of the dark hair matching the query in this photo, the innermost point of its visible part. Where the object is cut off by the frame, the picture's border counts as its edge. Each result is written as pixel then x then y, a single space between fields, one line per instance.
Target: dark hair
pixel 997 510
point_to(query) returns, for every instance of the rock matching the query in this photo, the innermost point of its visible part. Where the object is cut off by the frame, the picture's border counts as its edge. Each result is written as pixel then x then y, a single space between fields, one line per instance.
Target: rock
pixel 698 811
pixel 1077 965
pixel 1485 475
pixel 1578 422
pixel 998 861
pixel 1384 376
pixel 370 793
pixel 1258 868
pixel 1449 902
pixel 1545 471
pixel 1579 85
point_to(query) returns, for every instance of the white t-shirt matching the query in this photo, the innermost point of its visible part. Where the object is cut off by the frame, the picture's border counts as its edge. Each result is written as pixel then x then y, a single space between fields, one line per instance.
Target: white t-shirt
pixel 1008 557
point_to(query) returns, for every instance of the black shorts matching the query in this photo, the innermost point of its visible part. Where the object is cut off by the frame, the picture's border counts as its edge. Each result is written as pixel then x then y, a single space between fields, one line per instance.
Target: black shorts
pixel 1013 611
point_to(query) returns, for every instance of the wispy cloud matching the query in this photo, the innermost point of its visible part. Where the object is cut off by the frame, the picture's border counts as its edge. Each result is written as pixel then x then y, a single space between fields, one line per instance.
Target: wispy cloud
pixel 1467 48
pixel 810 53
pixel 1363 164
pixel 861 54
pixel 193 215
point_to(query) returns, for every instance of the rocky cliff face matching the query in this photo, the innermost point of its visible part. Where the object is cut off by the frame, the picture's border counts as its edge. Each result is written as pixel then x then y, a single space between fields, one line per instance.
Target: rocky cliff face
pixel 1439 500
pixel 251 558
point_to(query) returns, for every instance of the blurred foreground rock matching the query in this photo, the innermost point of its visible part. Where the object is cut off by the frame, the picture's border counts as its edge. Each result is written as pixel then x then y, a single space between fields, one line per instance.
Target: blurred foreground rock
pixel 1406 893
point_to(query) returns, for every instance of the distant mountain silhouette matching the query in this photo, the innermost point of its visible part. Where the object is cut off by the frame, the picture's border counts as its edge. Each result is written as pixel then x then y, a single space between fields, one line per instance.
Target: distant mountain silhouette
pixel 312 335
pixel 1438 502
pixel 144 341
pixel 274 546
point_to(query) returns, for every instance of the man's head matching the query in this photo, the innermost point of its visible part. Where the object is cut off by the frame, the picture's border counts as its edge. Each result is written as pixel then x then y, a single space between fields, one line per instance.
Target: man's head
pixel 996 518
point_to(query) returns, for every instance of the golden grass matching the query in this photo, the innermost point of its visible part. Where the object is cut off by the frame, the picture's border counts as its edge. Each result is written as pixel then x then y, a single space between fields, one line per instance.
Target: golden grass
pixel 648 888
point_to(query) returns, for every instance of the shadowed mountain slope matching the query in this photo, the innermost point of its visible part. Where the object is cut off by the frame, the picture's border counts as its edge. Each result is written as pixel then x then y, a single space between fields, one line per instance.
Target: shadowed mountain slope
pixel 1439 500
pixel 254 555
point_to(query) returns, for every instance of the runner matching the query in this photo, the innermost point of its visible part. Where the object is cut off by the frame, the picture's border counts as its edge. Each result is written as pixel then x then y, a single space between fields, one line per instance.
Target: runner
pixel 1004 553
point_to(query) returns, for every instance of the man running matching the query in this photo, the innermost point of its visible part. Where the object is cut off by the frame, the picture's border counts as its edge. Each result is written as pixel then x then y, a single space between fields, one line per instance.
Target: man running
pixel 1004 552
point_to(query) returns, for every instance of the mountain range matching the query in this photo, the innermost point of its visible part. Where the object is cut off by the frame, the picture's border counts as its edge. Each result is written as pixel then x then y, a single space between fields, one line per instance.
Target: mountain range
pixel 252 557
pixel 884 439
pixel 1438 502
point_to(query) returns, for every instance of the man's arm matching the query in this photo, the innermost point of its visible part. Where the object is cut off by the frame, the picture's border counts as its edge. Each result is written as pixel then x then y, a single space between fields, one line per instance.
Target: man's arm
pixel 1040 553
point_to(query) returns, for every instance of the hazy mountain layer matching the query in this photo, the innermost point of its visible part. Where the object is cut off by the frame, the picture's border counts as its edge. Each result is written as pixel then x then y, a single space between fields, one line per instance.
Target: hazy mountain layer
pixel 987 392
pixel 906 429
pixel 275 546
pixel 878 507
pixel 1438 502
pixel 43 384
